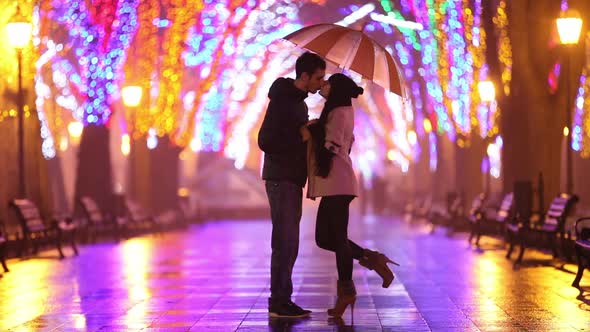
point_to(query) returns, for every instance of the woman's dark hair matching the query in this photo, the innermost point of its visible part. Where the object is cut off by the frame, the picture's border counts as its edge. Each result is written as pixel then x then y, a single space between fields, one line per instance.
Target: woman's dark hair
pixel 342 90
pixel 308 63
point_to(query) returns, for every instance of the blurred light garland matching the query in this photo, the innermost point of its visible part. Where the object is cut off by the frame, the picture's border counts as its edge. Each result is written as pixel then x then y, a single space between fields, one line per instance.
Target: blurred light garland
pixel 238 37
pixel 223 27
pixel 104 39
pixel 436 110
pixel 505 46
pixel 581 121
pixel 227 53
pixel 183 15
pixel 141 65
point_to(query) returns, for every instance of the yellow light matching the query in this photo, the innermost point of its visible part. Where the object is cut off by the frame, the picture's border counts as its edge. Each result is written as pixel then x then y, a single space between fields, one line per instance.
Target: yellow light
pixel 195 145
pixel 427 126
pixel 125 145
pixel 391 155
pixel 566 131
pixel 131 95
pixel 487 91
pixel 19 30
pixel 63 143
pixel 75 129
pixel 183 192
pixel 412 137
pixel 569 26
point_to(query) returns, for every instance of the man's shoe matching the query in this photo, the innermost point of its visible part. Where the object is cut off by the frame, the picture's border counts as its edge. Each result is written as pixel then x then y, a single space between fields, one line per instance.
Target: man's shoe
pixel 299 308
pixel 286 310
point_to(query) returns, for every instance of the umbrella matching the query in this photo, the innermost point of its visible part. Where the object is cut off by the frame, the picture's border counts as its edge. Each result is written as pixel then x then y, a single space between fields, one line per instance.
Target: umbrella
pixel 353 50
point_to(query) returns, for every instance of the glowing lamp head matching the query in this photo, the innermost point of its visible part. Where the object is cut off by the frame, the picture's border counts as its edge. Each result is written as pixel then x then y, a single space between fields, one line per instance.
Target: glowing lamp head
pixel 391 155
pixel 131 95
pixel 487 91
pixel 412 137
pixel 19 30
pixel 427 126
pixel 569 26
pixel 125 144
pixel 75 129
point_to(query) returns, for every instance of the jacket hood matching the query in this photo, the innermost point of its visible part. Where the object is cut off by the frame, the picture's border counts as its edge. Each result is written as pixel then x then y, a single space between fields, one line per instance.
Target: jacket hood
pixel 285 87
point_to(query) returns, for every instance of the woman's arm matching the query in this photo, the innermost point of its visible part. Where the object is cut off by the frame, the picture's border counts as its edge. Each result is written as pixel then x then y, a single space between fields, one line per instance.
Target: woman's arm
pixel 335 130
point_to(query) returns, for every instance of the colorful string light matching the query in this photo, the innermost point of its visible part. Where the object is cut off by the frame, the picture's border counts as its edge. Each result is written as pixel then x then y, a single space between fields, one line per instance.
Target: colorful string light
pixel 505 46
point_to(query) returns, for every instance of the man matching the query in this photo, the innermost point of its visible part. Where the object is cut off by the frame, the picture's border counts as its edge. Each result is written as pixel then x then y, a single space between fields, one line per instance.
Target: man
pixel 282 137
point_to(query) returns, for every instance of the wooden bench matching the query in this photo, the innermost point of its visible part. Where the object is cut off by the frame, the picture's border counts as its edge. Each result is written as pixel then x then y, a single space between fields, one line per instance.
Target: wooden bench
pixel 476 213
pixel 423 211
pixel 139 219
pixel 452 212
pixel 36 231
pixel 582 246
pixel 99 223
pixel 143 220
pixel 496 221
pixel 550 227
pixel 418 208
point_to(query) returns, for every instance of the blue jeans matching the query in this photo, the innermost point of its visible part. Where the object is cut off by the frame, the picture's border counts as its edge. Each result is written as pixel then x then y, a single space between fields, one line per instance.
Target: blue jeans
pixel 285 199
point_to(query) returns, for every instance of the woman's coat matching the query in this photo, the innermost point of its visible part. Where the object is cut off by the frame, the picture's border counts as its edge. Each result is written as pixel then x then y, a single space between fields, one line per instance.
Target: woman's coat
pixel 339 138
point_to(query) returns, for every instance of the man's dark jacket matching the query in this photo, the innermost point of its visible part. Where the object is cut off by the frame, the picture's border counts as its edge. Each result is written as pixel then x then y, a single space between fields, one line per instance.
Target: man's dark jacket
pixel 279 137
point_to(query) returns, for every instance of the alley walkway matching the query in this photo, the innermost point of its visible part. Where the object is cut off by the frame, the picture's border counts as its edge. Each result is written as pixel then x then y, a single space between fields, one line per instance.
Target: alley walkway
pixel 214 277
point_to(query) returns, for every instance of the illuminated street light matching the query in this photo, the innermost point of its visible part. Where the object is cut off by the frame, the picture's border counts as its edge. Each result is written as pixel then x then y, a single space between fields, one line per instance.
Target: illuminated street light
pixel 487 91
pixel 19 30
pixel 569 26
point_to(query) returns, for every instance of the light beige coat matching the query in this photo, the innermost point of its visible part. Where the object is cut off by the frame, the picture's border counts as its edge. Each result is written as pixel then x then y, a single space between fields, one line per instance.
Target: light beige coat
pixel 339 138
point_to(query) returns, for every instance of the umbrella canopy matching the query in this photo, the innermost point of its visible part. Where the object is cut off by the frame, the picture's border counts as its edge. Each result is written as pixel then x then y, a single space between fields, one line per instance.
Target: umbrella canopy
pixel 353 50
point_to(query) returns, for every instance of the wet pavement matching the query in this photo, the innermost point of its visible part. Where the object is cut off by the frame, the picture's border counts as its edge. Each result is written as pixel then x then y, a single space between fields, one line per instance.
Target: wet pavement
pixel 215 277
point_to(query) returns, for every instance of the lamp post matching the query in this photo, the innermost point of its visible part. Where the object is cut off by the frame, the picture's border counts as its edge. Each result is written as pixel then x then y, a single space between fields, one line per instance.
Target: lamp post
pixel 131 95
pixel 131 99
pixel 569 26
pixel 487 94
pixel 19 31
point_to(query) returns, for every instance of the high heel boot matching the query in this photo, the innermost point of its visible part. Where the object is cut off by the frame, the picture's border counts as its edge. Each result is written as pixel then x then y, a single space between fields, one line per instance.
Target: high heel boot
pixel 374 260
pixel 346 296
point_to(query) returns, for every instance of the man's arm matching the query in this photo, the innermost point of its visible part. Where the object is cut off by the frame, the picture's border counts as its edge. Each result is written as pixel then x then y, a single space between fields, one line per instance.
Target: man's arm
pixel 273 136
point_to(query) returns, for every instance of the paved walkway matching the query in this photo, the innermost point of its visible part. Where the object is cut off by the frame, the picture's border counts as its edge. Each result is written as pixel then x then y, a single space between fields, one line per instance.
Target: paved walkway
pixel 214 277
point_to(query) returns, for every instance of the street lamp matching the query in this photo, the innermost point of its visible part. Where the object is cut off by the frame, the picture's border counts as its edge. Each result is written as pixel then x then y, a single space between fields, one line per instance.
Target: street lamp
pixel 131 95
pixel 19 31
pixel 487 94
pixel 131 99
pixel 569 26
pixel 487 91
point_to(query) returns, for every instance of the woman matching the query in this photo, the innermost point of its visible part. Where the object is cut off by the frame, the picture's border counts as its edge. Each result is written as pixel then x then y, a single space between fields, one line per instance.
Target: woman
pixel 331 177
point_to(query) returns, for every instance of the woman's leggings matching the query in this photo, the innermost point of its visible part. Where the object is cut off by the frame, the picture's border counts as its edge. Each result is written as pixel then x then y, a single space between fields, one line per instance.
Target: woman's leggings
pixel 331 233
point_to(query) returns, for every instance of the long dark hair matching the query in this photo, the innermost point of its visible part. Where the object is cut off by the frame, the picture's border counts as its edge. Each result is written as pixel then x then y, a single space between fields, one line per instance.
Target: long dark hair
pixel 342 90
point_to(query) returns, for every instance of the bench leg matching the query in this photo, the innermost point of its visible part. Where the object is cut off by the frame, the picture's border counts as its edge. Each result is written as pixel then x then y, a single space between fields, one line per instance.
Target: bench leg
pixel 472 234
pixel 58 244
pixel 73 242
pixel 522 241
pixel 35 246
pixel 3 258
pixel 553 240
pixel 4 265
pixel 20 247
pixel 510 239
pixel 581 268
